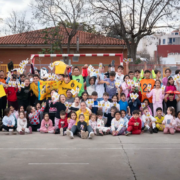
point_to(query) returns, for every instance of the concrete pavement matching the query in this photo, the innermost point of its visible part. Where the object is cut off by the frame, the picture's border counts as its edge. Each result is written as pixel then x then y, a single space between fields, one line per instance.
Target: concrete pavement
pixel 49 156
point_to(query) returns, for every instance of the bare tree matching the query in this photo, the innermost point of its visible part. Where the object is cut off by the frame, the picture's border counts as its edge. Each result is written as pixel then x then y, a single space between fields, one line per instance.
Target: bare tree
pixel 57 13
pixel 132 20
pixel 18 23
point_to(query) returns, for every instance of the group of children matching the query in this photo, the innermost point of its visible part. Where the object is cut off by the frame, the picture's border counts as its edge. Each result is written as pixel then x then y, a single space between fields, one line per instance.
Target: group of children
pixel 108 103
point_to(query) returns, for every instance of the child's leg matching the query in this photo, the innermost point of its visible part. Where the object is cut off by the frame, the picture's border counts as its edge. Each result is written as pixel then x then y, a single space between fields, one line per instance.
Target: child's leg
pixel 43 130
pixel 27 130
pixel 166 130
pixel 74 129
pixel 123 129
pixel 56 123
pixel 160 127
pixel 177 129
pixel 171 130
pixel 130 128
pixel 5 127
pixel 136 132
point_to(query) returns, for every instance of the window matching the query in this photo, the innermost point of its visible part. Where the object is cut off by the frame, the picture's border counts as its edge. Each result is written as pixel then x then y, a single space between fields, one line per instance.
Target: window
pixel 173 39
pixel 170 40
pixel 164 41
pixel 75 59
pixel 176 33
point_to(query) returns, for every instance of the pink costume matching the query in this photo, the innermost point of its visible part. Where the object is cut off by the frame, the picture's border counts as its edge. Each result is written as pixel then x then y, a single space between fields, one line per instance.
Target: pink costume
pixel 157 98
pixel 125 90
pixel 172 88
pixel 46 126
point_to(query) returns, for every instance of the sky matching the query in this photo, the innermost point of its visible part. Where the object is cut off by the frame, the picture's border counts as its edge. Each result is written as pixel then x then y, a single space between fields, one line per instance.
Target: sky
pixel 7 6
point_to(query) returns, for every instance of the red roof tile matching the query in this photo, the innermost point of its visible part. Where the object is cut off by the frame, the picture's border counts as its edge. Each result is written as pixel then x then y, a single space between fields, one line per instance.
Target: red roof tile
pixel 35 37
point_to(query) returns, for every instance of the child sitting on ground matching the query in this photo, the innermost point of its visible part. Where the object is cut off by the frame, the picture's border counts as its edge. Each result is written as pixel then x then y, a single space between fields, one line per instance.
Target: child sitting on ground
pixel 149 121
pixel 47 125
pixel 72 120
pixel 126 120
pixel 82 127
pixel 8 122
pixel 117 125
pixel 22 124
pixel 177 127
pixel 101 130
pixel 33 116
pixel 134 124
pixel 159 119
pixel 146 102
pixel 93 123
pixel 62 124
pixel 169 121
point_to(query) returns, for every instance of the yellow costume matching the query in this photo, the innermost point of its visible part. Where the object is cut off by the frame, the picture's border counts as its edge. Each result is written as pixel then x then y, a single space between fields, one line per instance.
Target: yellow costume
pixel 159 123
pixel 34 88
pixel 60 67
pixel 86 115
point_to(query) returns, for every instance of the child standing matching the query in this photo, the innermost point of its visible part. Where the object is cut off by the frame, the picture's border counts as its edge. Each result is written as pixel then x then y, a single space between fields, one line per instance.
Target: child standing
pixel 93 123
pixel 100 124
pixel 149 121
pixel 159 119
pixel 115 102
pixel 169 121
pixel 33 116
pixel 134 124
pixel 11 95
pixel 177 127
pixel 124 104
pixel 22 124
pixel 167 74
pixel 82 127
pixel 47 125
pixel 170 85
pixel 125 87
pixel 62 123
pixel 158 96
pixel 72 120
pixel 8 121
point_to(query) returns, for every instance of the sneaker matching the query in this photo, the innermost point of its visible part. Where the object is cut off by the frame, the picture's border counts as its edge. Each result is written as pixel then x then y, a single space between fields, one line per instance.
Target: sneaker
pixel 86 134
pixel 155 130
pixel 127 133
pixel 61 132
pixel 91 135
pixel 68 133
pixel 145 129
pixel 22 132
pixel 71 135
pixel 30 130
pixel 97 132
pixel 150 130
pixel 3 130
pixel 83 135
pixel 101 133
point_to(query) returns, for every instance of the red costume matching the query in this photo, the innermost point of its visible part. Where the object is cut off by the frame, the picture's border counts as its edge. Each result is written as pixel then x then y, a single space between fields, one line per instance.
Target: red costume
pixel 132 128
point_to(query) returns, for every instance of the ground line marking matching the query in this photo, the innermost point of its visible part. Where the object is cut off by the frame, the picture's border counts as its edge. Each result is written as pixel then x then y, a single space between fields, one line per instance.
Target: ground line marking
pixel 57 163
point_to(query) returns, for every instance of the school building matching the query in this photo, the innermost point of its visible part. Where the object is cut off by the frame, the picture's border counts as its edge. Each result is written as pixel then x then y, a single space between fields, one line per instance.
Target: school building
pixel 19 47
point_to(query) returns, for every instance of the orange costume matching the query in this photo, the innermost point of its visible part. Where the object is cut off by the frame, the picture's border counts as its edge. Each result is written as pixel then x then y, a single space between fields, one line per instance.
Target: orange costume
pixel 144 85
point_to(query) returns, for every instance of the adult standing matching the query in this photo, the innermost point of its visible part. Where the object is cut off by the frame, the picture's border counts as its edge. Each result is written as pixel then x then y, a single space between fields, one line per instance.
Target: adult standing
pixel 23 94
pixel 82 110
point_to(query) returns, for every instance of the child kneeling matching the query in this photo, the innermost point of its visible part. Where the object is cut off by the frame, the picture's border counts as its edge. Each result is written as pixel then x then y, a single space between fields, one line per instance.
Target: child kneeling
pixel 134 125
pixel 47 125
pixel 22 125
pixel 82 127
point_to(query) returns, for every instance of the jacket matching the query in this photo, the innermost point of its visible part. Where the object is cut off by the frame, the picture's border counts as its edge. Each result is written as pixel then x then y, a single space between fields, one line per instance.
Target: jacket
pixel 11 93
pixel 132 121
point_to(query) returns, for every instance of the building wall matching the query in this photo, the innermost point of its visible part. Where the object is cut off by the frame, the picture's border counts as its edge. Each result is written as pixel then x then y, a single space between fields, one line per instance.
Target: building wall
pixel 164 50
pixel 17 55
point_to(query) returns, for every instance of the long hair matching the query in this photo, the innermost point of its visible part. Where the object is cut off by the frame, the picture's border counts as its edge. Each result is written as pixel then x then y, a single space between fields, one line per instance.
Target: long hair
pixel 172 111
pixel 28 110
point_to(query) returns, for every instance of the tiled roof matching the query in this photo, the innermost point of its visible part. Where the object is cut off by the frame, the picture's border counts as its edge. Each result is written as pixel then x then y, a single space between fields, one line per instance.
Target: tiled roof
pixel 35 37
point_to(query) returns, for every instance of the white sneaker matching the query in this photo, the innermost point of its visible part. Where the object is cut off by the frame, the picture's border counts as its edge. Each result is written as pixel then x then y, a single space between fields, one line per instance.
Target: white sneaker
pixel 61 132
pixel 71 135
pixel 91 135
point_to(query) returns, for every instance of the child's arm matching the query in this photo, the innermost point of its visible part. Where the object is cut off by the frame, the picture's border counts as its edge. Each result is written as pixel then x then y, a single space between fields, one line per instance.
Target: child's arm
pixel 130 102
pixel 150 93
pixel 130 123
pixel 178 99
pixel 166 96
pixel 152 118
pixel 65 124
pixel 104 82
pixel 112 125
pixel 140 125
pixel 129 111
pixel 25 124
pixel 4 121
pixel 78 126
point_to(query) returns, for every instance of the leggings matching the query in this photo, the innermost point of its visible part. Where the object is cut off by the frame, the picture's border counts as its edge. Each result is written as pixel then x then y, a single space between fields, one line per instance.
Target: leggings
pixel 131 129
pixel 168 130
pixel 7 128
pixel 35 127
pixel 75 130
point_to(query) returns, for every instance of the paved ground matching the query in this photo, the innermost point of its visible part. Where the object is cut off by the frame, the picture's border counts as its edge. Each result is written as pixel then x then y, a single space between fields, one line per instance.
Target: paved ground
pixel 49 156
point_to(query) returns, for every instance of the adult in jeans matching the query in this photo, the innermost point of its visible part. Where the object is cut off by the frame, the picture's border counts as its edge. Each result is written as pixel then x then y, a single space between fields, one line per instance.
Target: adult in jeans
pixel 86 113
